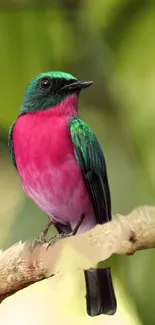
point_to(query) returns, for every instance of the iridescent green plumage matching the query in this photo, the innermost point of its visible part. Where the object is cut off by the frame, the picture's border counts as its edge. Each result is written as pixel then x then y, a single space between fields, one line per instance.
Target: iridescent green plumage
pixel 36 99
pixel 91 160
pixel 10 145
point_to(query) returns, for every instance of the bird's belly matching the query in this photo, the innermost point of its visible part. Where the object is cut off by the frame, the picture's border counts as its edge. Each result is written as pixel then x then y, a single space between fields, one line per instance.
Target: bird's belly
pixel 49 172
pixel 59 192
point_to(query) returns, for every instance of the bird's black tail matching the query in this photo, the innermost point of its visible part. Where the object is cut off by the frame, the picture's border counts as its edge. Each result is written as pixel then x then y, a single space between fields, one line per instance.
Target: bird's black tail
pixel 100 294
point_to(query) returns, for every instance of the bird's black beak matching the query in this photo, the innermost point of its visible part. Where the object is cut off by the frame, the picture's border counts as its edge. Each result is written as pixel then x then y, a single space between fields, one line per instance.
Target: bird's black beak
pixel 76 85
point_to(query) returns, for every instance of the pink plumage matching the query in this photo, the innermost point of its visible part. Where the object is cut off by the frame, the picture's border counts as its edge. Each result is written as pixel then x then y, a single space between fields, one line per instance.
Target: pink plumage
pixel 47 165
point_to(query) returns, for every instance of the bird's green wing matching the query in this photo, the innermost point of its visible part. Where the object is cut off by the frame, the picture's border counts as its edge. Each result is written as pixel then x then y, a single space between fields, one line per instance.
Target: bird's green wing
pixel 91 161
pixel 10 145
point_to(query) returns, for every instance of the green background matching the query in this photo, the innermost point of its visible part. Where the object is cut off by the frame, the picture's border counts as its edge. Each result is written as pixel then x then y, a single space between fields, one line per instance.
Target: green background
pixel 113 43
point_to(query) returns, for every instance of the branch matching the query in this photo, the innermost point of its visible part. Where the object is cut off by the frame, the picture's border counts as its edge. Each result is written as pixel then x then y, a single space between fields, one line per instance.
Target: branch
pixel 20 266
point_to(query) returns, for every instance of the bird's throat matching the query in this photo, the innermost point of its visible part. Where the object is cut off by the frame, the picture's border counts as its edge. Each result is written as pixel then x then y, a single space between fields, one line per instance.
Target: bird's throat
pixel 68 106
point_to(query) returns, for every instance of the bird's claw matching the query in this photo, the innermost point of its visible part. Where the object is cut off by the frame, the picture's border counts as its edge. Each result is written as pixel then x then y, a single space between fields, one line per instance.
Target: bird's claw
pixel 52 240
pixel 41 240
pixel 38 242
pixel 45 230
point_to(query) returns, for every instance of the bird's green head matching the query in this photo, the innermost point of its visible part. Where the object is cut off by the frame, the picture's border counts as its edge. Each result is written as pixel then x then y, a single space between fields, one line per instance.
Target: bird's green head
pixel 48 89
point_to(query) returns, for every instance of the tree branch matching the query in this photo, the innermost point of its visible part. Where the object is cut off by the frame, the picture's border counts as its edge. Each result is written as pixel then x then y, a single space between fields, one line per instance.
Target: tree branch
pixel 21 266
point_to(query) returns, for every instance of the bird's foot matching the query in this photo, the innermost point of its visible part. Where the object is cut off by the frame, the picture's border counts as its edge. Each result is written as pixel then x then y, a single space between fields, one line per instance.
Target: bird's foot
pixel 41 239
pixel 52 240
pixel 74 232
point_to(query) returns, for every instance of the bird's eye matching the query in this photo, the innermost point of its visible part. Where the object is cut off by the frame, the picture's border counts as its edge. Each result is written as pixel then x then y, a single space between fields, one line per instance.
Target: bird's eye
pixel 45 83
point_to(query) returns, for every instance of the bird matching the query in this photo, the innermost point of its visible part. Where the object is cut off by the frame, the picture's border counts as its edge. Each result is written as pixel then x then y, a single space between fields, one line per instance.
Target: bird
pixel 62 168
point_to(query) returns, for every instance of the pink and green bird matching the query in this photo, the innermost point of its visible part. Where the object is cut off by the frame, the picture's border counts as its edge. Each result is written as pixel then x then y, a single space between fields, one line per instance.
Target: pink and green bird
pixel 62 168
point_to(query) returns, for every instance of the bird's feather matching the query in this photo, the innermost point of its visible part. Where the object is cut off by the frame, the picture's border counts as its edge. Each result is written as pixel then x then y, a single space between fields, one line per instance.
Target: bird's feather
pixel 89 155
pixel 91 161
pixel 10 145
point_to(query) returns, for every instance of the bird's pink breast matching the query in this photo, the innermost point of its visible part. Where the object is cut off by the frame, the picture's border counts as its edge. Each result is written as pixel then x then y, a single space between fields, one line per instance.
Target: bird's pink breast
pixel 47 166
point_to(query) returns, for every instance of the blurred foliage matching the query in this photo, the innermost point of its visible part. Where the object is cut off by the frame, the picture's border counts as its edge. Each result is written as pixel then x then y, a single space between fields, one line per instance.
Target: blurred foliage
pixel 111 42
